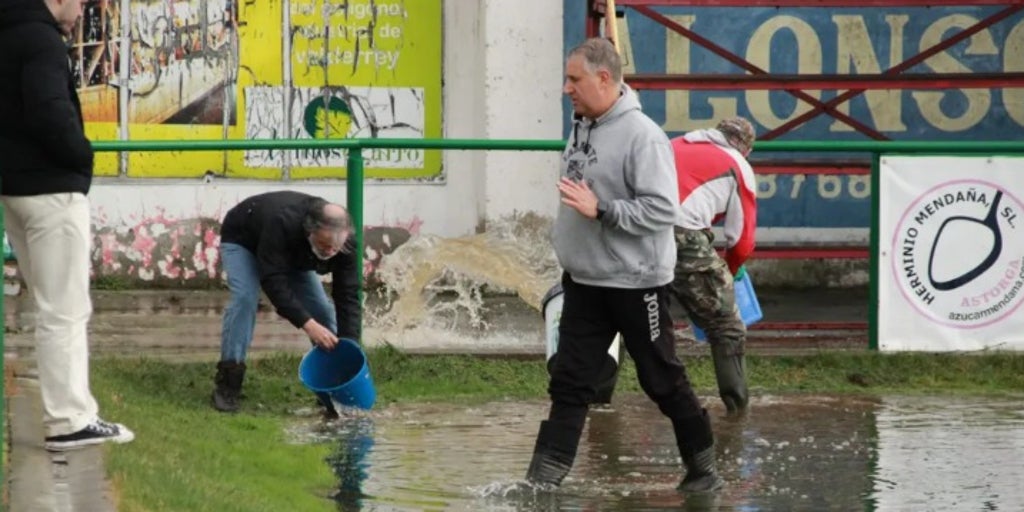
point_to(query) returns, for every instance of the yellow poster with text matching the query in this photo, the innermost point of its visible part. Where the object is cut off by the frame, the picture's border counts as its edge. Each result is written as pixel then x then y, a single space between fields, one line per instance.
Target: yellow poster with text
pixel 215 69
pixel 366 68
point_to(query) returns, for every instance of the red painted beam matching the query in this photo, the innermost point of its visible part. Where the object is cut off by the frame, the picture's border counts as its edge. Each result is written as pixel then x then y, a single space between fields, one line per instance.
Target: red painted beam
pixel 814 3
pixel 811 253
pixel 798 326
pixel 827 82
pixel 812 170
pixel 809 326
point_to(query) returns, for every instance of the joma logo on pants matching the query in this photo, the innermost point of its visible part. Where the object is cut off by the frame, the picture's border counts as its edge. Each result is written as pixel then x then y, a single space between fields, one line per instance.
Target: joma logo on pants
pixel 653 311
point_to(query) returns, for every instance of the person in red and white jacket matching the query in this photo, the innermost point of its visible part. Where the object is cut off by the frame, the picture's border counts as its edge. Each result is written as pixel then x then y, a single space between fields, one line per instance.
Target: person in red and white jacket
pixel 716 183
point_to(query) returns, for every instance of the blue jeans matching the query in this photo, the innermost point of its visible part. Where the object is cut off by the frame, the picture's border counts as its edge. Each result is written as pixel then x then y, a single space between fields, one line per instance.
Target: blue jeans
pixel 244 283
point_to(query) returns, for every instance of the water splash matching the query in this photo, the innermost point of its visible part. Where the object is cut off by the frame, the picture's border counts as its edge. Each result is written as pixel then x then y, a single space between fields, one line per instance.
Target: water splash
pixel 510 489
pixel 513 256
pixel 434 288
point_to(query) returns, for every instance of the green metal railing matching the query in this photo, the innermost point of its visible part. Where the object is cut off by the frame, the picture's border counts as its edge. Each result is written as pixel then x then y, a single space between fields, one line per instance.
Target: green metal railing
pixel 356 176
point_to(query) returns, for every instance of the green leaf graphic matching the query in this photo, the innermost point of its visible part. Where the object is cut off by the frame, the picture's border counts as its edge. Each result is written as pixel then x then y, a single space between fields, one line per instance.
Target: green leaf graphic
pixel 331 118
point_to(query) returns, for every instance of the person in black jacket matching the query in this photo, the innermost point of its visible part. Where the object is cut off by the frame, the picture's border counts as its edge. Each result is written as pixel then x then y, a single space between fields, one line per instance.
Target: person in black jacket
pixel 281 241
pixel 45 173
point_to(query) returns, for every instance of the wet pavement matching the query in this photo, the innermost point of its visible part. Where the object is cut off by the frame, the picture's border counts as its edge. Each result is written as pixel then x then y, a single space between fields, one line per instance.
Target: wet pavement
pixel 40 480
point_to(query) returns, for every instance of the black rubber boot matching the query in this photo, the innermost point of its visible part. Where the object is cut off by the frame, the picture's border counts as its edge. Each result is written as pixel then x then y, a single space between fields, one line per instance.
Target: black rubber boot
pixel 701 474
pixel 731 374
pixel 553 454
pixel 696 444
pixel 228 385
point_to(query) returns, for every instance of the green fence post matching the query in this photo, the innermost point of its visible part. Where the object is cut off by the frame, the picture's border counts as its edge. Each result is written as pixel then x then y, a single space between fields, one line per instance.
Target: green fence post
pixel 874 257
pixel 354 188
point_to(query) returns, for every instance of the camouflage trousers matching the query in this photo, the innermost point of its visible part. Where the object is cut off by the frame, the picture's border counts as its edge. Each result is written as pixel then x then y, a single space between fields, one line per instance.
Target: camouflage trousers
pixel 704 287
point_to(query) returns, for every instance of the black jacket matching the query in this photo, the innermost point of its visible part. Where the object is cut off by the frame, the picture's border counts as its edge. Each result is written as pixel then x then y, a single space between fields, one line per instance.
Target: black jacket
pixel 43 148
pixel 270 226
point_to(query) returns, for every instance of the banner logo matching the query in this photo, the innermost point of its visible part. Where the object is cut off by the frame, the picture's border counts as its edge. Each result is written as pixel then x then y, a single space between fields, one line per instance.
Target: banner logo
pixel 958 253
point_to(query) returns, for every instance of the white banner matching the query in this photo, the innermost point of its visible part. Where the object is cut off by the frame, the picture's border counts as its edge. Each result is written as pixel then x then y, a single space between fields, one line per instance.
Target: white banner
pixel 951 265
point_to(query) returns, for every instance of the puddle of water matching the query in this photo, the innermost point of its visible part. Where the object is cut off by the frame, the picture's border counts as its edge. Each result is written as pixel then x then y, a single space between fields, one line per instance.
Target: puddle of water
pixel 950 453
pixel 790 452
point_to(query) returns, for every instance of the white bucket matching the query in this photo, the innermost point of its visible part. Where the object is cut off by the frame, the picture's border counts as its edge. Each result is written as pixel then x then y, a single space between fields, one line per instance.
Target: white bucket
pixel 551 306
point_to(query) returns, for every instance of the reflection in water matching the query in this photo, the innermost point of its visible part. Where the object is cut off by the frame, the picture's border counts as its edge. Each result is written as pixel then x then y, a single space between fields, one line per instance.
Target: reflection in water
pixel 349 460
pixel 789 453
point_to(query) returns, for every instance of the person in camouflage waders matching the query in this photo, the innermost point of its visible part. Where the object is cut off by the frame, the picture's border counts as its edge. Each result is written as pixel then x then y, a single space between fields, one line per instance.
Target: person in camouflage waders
pixel 716 182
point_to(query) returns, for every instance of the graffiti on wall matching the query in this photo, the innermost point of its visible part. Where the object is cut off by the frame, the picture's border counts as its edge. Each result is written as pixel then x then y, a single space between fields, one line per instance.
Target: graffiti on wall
pixel 163 250
pixel 359 68
pixel 180 61
pixel 159 249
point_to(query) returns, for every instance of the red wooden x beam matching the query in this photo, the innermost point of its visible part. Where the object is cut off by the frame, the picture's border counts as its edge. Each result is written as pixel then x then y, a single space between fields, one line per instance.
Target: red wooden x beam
pixel 729 82
pixel 897 69
pixel 793 84
pixel 809 3
pixel 743 63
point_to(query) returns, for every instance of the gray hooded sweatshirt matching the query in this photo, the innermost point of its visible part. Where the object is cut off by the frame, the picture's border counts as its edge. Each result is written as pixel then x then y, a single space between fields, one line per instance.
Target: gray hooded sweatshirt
pixel 627 160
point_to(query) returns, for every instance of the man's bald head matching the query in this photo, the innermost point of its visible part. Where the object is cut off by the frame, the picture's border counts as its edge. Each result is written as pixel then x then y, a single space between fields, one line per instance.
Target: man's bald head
pixel 323 215
pixel 328 226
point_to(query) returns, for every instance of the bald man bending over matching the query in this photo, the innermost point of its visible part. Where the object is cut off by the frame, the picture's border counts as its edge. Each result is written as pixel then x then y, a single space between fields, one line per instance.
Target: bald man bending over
pixel 281 242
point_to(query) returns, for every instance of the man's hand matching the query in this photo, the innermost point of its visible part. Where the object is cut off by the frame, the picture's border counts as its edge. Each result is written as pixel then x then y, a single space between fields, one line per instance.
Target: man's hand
pixel 578 196
pixel 320 335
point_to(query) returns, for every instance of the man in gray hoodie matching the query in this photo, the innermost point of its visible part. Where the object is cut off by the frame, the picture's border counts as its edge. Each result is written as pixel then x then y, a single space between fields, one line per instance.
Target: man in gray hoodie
pixel 613 236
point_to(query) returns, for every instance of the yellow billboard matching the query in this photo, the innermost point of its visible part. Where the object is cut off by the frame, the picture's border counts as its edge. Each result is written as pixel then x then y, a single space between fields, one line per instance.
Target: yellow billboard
pixel 212 69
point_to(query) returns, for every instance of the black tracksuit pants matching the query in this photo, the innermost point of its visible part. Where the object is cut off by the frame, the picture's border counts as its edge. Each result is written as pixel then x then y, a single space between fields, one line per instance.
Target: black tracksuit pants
pixel 591 316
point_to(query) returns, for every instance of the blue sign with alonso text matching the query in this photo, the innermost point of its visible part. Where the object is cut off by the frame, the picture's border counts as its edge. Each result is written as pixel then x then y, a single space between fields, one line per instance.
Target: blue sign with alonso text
pixel 824 41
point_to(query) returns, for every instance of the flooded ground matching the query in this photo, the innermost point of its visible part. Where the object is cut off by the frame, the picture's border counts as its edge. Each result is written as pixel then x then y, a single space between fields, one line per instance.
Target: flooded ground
pixel 789 453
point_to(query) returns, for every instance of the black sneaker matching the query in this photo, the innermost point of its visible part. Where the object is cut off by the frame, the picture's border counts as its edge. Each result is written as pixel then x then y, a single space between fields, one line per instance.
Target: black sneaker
pixel 97 432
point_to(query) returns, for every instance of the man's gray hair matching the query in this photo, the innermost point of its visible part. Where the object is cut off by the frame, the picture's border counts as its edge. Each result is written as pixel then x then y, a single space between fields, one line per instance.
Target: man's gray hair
pixel 739 132
pixel 318 219
pixel 598 53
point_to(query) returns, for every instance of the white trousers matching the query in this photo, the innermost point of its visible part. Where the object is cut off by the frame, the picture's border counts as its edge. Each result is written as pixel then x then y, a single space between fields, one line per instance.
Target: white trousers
pixel 51 238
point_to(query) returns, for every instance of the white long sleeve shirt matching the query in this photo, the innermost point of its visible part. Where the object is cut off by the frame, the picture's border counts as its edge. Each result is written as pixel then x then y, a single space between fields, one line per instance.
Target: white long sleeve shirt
pixel 716 181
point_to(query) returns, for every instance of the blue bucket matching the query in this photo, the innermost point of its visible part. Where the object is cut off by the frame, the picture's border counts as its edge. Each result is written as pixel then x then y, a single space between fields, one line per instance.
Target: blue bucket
pixel 342 373
pixel 746 301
